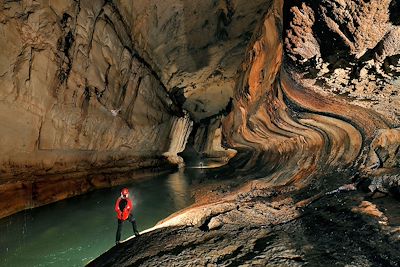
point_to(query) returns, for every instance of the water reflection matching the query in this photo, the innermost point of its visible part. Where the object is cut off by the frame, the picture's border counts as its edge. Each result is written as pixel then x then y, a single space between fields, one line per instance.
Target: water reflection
pixel 178 184
pixel 76 230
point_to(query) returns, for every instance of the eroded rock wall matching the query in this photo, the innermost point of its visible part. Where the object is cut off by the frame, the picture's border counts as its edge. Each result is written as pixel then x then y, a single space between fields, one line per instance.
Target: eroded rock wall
pixel 194 46
pixel 95 85
pixel 292 125
pixel 75 97
pixel 306 142
pixel 347 48
pixel 88 85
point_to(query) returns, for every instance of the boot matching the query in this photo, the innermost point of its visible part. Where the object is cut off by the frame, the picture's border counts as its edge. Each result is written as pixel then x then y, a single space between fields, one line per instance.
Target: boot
pixel 135 231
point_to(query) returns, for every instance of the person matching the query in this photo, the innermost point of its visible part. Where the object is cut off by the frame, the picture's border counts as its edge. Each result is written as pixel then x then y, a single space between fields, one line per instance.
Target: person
pixel 123 207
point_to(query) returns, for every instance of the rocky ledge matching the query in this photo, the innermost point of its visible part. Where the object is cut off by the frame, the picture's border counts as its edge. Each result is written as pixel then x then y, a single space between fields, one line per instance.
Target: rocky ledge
pixel 257 226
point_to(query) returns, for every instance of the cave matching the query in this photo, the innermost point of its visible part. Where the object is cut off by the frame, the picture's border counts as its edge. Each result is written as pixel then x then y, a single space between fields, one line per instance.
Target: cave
pixel 249 133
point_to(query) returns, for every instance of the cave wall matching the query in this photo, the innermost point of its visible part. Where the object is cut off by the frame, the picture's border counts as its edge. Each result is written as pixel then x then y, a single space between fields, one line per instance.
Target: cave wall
pixel 89 88
pixel 72 73
pixel 293 127
pixel 349 49
pixel 76 100
pixel 95 87
pixel 194 46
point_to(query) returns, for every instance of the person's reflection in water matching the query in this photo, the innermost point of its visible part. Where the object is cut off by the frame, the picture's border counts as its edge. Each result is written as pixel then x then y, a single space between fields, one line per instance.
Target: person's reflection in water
pixel 123 207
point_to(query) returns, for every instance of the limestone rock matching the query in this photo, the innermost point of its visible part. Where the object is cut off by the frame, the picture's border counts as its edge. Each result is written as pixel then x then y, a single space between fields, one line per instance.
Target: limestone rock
pixel 194 46
pixel 343 226
pixel 384 149
pixel 390 44
pixel 95 88
pixel 76 97
pixel 300 40
pixel 346 48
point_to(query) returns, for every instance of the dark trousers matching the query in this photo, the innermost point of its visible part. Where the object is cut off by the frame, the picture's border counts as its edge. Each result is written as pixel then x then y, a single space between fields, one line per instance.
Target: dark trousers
pixel 130 219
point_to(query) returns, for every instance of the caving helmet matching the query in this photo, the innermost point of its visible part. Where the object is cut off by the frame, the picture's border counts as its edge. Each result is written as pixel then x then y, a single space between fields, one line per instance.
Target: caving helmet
pixel 124 193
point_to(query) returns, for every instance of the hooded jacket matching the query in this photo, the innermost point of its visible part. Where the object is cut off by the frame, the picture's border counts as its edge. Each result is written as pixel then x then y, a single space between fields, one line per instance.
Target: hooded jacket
pixel 123 207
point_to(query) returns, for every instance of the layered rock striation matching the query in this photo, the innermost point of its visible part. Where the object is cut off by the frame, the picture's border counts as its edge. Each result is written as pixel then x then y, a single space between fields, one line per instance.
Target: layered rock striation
pixel 94 88
pixel 294 123
pixel 311 123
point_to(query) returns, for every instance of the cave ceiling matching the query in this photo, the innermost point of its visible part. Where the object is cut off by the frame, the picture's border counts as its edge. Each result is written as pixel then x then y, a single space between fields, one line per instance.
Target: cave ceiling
pixel 196 47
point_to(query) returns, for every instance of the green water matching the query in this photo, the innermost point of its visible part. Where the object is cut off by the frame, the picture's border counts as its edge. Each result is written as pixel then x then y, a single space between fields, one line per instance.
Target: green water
pixel 76 230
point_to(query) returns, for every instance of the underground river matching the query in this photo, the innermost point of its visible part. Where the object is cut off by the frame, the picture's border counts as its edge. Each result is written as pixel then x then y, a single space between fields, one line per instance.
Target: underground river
pixel 74 231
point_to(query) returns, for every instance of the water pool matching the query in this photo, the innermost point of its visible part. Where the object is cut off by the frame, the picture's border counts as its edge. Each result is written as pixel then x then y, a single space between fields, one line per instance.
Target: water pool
pixel 74 231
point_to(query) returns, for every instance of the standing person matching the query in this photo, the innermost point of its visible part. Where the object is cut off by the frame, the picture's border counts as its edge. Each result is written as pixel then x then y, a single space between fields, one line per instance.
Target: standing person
pixel 123 207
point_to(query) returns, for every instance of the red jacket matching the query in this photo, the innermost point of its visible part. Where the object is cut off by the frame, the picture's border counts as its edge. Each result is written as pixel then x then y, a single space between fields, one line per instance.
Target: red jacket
pixel 123 207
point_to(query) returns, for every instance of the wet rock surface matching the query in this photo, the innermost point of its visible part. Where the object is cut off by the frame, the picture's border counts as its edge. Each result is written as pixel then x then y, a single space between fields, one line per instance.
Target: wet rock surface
pixel 88 85
pixel 272 228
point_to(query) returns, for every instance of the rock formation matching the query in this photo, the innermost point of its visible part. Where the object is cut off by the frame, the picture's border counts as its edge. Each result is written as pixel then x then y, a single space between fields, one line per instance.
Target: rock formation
pixel 336 230
pixel 314 116
pixel 77 99
pixel 95 87
pixel 348 49
pixel 302 96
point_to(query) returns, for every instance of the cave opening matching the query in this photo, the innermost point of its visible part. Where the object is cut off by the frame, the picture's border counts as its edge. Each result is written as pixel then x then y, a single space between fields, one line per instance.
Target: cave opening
pixel 205 147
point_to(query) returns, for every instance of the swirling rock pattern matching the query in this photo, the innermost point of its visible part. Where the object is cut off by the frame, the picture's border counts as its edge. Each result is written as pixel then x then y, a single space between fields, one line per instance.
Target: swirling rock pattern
pixel 90 88
pixel 301 139
pixel 295 125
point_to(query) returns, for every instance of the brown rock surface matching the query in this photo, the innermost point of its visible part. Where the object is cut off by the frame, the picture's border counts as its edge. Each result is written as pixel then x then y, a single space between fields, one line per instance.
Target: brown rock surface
pixel 77 98
pixel 264 228
pixel 356 55
pixel 87 85
pixel 194 46
pixel 90 88
pixel 302 137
